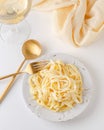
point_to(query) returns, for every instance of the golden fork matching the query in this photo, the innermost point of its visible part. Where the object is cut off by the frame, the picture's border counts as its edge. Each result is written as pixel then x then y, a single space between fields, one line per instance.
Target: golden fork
pixel 31 68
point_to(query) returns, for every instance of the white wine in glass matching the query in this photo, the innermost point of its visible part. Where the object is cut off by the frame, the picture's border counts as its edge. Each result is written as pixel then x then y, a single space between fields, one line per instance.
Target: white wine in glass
pixel 11 13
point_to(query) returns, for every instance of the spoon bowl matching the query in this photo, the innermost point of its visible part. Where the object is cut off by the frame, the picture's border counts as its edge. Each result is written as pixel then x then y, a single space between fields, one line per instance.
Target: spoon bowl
pixel 31 49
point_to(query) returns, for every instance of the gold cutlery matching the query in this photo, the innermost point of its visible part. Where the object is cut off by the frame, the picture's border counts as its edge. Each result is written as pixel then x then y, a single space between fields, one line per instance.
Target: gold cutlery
pixel 31 68
pixel 31 49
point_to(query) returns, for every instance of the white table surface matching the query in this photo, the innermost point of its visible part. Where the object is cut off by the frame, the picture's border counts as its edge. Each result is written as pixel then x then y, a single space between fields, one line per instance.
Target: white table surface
pixel 14 115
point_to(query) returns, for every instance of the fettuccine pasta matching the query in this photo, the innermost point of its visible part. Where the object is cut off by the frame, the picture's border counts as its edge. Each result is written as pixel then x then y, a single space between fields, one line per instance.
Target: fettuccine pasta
pixel 57 87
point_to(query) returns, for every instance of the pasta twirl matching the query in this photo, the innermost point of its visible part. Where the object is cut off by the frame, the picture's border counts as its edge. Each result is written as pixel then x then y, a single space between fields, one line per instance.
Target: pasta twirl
pixel 57 87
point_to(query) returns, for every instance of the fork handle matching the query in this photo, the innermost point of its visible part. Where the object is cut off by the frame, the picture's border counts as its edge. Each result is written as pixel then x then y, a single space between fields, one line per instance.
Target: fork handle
pixel 10 75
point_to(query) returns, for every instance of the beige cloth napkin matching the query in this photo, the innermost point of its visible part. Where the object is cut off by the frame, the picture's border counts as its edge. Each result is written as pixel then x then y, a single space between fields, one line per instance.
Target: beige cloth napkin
pixel 76 21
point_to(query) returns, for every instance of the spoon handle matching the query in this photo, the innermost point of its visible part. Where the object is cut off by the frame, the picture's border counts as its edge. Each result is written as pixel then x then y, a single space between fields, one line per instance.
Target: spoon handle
pixel 6 90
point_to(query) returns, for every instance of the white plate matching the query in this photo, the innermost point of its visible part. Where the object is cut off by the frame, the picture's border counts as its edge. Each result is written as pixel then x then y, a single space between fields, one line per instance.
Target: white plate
pixel 69 114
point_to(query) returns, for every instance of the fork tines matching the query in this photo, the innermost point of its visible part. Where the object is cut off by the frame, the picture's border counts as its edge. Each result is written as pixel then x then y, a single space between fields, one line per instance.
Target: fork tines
pixel 38 66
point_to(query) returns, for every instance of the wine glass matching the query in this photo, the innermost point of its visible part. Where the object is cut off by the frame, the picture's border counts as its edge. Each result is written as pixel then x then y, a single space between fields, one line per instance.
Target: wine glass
pixel 11 13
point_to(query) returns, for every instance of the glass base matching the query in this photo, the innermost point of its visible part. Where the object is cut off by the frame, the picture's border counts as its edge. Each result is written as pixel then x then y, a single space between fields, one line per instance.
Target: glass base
pixel 16 33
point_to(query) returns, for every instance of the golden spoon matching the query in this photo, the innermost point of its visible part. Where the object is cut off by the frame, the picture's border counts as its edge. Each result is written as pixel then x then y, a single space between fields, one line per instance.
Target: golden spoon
pixel 31 49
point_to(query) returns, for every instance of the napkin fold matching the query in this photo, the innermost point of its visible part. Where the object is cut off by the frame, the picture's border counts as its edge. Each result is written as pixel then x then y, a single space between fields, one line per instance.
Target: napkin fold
pixel 77 21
